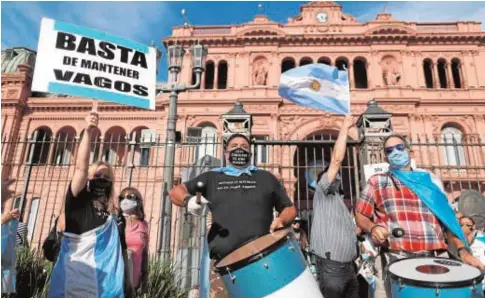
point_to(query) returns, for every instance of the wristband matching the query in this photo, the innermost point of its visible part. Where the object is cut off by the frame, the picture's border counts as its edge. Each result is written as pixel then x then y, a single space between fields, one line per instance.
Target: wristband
pixel 374 228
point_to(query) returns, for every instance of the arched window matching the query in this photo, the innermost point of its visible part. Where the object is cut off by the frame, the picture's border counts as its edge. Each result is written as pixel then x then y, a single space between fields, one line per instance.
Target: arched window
pixel 64 146
pixel 428 73
pixel 456 72
pixel 342 63
pixel 34 211
pixel 324 60
pixel 453 149
pixel 41 146
pixel 208 141
pixel 144 138
pixel 222 75
pixel 114 145
pixel 209 75
pixel 287 64
pixel 442 73
pixel 360 73
pixel 305 61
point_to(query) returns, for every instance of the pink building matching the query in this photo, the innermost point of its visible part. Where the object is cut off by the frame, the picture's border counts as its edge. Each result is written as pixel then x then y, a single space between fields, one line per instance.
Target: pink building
pixel 430 76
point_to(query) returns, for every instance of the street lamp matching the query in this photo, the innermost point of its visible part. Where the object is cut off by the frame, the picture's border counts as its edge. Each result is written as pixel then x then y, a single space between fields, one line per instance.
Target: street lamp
pixel 176 53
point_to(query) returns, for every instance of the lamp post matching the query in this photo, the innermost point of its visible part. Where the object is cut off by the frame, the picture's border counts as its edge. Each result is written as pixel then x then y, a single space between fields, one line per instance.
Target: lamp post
pixel 175 56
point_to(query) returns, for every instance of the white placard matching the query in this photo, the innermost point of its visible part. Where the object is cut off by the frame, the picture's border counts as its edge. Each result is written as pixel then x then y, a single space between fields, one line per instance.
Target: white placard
pixel 380 168
pixel 83 62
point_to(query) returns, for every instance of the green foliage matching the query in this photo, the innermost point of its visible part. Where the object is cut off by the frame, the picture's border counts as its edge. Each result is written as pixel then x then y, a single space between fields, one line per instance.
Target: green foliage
pixel 162 281
pixel 33 277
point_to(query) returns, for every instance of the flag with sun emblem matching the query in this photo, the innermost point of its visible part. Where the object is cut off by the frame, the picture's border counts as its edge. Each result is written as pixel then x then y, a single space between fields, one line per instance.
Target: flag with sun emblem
pixel 317 86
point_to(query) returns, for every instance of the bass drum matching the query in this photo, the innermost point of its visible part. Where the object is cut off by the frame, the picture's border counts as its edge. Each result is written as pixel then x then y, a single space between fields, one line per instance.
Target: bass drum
pixel 271 266
pixel 434 278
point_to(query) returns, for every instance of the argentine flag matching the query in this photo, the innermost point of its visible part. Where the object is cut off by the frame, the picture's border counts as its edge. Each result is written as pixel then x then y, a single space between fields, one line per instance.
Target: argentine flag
pixel 89 265
pixel 317 86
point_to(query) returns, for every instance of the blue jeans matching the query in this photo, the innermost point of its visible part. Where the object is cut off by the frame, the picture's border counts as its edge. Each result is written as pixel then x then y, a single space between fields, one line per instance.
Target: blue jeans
pixel 337 280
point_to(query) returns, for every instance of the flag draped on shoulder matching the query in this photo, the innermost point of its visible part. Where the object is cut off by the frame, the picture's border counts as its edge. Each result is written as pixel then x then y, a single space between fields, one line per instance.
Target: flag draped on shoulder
pixel 90 264
pixel 9 246
pixel 317 86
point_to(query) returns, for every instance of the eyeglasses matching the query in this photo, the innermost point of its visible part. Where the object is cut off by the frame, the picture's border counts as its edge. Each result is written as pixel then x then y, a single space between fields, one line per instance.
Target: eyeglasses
pixel 130 196
pixel 390 149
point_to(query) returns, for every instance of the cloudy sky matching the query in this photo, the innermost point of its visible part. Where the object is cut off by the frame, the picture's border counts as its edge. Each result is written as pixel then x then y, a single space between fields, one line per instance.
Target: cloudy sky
pixel 152 21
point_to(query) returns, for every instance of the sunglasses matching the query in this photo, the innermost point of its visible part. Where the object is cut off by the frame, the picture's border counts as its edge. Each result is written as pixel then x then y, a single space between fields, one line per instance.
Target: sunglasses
pixel 130 196
pixel 390 149
pixel 468 226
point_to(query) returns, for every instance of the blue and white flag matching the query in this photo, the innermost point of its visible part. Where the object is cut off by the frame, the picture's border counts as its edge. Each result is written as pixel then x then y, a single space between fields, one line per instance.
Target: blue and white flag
pixel 9 255
pixel 317 86
pixel 90 264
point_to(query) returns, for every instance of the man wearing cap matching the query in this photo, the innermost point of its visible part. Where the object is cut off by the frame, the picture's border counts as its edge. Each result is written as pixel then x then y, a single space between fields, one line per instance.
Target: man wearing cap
pixel 240 197
pixel 333 239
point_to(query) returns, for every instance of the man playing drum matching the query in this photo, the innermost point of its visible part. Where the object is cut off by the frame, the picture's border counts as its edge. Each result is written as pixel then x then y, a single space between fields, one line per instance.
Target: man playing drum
pixel 414 200
pixel 241 198
pixel 333 231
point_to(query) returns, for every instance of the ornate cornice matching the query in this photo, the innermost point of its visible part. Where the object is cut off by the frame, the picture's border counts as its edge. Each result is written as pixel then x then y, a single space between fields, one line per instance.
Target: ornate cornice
pixel 331 39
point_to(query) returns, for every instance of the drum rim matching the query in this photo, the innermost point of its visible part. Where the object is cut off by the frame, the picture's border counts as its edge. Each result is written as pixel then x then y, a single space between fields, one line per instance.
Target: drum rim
pixel 254 258
pixel 424 284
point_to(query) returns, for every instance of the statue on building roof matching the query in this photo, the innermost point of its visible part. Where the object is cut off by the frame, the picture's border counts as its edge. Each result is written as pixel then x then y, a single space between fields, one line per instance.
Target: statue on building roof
pixel 13 57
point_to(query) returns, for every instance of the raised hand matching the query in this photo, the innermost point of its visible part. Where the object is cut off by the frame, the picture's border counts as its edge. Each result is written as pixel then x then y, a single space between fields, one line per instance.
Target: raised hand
pixel 92 120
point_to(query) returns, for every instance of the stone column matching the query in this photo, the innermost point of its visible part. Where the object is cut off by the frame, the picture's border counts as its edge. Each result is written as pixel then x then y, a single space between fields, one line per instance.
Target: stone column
pixel 216 71
pixel 202 81
pixel 436 78
pixel 351 75
pixel 421 81
pixel 449 74
pixel 231 71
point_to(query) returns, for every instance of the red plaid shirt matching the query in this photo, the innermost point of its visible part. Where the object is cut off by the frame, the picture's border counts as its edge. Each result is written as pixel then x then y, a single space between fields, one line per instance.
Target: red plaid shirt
pixel 397 206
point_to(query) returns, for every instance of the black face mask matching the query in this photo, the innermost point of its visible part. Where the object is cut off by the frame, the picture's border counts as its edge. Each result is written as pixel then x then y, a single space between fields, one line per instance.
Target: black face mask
pixel 100 187
pixel 239 157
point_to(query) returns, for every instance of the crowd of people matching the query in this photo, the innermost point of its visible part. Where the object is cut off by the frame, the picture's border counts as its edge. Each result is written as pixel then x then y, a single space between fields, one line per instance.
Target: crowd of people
pixel 99 242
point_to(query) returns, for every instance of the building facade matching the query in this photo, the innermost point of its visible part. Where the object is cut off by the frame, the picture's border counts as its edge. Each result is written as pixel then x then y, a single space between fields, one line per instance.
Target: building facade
pixel 430 76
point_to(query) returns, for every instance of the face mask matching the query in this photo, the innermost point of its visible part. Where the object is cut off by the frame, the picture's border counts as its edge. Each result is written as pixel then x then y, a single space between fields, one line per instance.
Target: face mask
pixel 128 205
pixel 239 157
pixel 398 159
pixel 100 187
pixel 296 230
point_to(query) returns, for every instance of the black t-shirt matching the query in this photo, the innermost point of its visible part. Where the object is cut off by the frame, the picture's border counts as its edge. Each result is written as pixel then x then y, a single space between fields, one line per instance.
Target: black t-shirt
pixel 82 216
pixel 242 207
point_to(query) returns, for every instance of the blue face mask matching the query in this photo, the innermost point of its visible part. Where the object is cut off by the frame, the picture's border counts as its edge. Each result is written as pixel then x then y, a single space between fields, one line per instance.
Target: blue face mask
pixel 398 159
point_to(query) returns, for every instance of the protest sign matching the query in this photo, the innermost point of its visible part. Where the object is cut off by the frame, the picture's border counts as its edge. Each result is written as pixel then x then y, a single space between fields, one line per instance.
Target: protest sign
pixel 83 62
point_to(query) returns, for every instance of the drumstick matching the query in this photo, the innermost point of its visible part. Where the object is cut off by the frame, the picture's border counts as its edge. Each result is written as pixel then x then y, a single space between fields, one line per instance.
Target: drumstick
pixel 198 194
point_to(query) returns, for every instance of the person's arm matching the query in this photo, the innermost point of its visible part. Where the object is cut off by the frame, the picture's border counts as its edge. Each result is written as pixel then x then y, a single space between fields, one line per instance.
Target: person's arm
pixel 282 204
pixel 80 177
pixel 463 252
pixel 364 211
pixel 7 216
pixel 339 149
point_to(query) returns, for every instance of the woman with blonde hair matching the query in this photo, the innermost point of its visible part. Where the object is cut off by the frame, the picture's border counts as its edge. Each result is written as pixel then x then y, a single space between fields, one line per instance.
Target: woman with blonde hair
pixel 92 256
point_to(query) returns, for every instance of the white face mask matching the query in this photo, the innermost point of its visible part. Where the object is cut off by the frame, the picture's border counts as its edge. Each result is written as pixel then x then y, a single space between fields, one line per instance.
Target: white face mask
pixel 128 205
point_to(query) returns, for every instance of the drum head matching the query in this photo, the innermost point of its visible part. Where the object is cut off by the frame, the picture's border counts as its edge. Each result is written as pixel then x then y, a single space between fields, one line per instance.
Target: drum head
pixel 257 246
pixel 434 272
